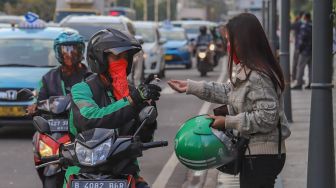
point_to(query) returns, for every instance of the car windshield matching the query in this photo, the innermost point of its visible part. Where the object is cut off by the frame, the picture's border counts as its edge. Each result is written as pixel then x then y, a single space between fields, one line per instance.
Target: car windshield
pixel 148 34
pixel 173 35
pixel 27 52
pixel 62 14
pixel 192 28
pixel 89 29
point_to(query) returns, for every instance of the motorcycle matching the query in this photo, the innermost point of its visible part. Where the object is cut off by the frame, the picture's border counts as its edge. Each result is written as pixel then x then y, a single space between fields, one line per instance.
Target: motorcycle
pixel 205 58
pixel 47 143
pixel 104 157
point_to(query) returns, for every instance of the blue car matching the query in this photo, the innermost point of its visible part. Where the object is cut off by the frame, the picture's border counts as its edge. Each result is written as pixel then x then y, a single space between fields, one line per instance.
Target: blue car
pixel 26 54
pixel 177 49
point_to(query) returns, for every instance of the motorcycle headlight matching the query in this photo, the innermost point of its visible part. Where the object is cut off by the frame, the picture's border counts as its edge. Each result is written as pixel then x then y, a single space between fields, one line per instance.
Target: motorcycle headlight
pixel 45 150
pixel 212 47
pixel 202 55
pixel 93 156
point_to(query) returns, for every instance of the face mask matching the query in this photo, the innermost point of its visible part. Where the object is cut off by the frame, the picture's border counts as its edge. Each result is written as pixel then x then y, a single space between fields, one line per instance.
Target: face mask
pixel 117 70
pixel 235 58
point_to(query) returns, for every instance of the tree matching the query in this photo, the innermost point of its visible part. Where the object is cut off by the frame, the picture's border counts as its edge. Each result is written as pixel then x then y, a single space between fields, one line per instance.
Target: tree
pixel 44 8
pixel 138 6
pixel 214 8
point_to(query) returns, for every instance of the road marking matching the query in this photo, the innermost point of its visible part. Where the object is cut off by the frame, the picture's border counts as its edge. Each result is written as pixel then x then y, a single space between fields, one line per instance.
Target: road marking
pixel 168 169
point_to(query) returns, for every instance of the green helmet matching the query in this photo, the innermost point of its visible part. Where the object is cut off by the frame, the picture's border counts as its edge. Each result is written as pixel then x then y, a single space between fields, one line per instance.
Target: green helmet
pixel 199 147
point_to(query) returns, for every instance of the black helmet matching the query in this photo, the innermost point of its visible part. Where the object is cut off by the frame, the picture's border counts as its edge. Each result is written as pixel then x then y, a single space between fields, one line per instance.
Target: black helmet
pixel 203 30
pixel 113 41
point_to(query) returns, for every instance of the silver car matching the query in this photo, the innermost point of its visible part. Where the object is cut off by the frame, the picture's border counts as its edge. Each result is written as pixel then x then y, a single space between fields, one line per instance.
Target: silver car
pixel 152 47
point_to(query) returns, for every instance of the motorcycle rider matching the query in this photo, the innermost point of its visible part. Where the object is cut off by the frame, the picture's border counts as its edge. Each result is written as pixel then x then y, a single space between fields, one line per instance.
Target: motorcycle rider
pixel 105 99
pixel 203 38
pixel 69 49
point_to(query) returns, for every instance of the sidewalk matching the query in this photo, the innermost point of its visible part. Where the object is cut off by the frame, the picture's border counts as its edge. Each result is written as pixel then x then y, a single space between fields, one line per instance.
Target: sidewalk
pixel 294 173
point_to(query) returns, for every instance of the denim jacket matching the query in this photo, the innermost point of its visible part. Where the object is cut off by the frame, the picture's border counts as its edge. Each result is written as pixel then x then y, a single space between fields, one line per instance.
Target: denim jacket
pixel 255 108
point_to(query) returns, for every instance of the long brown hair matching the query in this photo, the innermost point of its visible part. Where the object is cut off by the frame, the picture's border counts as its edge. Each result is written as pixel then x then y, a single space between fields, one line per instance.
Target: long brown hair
pixel 248 39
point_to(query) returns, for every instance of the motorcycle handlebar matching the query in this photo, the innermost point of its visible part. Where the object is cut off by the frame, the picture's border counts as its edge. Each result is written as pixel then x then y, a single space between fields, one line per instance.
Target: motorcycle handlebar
pixel 48 163
pixel 154 144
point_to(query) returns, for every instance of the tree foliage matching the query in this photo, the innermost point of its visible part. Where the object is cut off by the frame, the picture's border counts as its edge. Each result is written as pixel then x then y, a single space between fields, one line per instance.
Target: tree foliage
pixel 139 6
pixel 44 8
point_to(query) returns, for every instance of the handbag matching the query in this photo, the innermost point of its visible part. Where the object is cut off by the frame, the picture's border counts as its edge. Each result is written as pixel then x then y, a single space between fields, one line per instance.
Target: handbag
pixel 240 144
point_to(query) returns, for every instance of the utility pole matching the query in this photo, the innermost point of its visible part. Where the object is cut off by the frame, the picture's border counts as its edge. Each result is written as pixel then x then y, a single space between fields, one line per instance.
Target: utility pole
pixel 156 10
pixel 145 10
pixel 284 56
pixel 132 4
pixel 263 14
pixel 273 27
pixel 268 17
pixel 168 9
pixel 321 156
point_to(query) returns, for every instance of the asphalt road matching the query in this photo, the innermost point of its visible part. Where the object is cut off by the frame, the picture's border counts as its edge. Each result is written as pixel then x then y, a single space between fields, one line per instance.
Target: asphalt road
pixel 16 157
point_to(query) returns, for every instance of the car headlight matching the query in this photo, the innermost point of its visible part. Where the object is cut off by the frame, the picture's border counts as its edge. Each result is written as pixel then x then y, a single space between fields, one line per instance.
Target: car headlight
pixel 184 48
pixel 202 55
pixel 212 47
pixel 93 156
pixel 45 150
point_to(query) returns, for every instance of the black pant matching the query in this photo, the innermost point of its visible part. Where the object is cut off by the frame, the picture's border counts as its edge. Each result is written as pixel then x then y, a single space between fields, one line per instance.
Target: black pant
pixel 260 171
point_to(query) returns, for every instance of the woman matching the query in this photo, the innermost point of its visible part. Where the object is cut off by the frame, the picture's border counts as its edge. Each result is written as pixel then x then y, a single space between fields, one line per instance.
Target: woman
pixel 254 99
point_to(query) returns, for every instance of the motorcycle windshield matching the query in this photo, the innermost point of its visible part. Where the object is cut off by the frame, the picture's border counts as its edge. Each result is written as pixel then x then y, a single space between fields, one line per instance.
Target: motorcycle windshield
pixel 93 137
pixel 59 104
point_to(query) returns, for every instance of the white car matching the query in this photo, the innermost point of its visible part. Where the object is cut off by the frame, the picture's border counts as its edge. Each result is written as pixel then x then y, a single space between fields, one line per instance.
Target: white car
pixel 154 52
pixel 88 25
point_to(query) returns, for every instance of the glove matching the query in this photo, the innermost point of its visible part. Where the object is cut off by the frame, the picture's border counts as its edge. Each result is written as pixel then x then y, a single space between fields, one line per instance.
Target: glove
pixel 145 92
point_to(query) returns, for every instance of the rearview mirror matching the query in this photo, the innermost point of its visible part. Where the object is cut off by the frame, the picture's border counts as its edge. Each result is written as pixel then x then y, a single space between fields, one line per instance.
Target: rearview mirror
pixel 25 95
pixel 162 41
pixel 140 39
pixel 149 113
pixel 41 124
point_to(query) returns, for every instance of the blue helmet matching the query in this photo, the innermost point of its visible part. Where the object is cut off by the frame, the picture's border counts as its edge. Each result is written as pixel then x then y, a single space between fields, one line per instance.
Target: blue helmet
pixel 69 41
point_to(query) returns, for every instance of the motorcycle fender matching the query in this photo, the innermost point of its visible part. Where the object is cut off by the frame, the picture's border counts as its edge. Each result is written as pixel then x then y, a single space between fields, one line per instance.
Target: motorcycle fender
pixel 51 170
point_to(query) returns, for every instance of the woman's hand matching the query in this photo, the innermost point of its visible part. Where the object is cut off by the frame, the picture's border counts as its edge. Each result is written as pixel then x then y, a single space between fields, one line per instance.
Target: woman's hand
pixel 178 85
pixel 219 122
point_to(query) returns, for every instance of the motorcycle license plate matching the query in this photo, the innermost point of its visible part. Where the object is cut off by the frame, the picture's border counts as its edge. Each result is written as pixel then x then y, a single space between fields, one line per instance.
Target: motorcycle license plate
pixel 99 184
pixel 12 111
pixel 58 125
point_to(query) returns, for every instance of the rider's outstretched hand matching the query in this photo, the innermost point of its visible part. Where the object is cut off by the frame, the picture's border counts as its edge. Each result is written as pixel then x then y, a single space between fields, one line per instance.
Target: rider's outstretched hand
pixel 178 85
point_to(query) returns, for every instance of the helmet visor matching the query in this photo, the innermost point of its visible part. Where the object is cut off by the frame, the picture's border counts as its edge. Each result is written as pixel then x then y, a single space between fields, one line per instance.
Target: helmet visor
pixel 118 50
pixel 71 53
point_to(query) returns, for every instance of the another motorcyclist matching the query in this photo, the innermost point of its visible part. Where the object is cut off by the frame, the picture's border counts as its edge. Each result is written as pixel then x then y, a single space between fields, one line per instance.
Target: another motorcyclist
pixel 203 38
pixel 105 99
pixel 69 49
